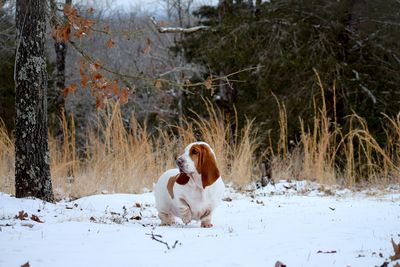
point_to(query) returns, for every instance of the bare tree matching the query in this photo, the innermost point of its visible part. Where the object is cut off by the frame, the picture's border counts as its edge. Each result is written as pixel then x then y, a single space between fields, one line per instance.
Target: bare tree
pixel 32 169
pixel 60 47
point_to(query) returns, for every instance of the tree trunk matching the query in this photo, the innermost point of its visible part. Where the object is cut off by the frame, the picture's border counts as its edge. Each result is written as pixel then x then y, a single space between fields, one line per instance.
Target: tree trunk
pixel 32 169
pixel 60 48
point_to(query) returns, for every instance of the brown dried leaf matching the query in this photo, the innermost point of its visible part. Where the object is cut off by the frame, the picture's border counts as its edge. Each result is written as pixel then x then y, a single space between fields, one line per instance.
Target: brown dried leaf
pixel 208 82
pixel 110 43
pixel 67 9
pixel 70 89
pixel 22 215
pixel 147 50
pixel 96 76
pixel 396 248
pixel 85 80
pixel 158 84
pixel 396 265
pixel 25 264
pixel 115 88
pixel 95 66
pixel 137 218
pixel 62 33
pixel 99 102
pixel 148 41
pixel 123 96
pixel 138 205
pixel 36 218
pixel 87 23
pixel 80 33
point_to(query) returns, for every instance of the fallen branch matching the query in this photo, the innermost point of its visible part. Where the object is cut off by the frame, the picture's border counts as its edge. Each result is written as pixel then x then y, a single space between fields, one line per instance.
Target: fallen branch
pixel 161 29
pixel 156 238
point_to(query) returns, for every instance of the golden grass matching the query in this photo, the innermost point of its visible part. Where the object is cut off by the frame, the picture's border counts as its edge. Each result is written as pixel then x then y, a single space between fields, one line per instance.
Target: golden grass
pixel 327 154
pixel 120 159
pixel 6 160
pixel 117 159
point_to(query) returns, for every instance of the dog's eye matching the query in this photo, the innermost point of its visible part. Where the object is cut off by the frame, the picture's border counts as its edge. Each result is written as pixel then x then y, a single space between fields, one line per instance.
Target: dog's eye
pixel 194 152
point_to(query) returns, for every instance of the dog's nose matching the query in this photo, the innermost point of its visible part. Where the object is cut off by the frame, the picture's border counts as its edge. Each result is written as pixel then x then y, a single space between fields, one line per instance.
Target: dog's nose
pixel 179 161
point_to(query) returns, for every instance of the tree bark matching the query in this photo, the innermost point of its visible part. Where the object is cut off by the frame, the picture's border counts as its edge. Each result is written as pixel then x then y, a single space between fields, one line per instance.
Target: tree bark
pixel 32 160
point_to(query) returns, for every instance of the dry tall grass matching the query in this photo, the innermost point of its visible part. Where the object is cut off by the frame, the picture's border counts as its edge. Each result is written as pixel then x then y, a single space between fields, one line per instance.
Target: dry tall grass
pixel 121 159
pixel 328 154
pixel 6 160
pixel 117 159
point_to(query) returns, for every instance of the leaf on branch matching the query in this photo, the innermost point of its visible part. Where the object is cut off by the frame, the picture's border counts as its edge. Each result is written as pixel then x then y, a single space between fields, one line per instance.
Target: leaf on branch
pixel 110 43
pixel 68 9
pixel 80 33
pixel 70 89
pixel 84 81
pixel 87 23
pixel 158 84
pixel 396 248
pixel 123 96
pixel 22 215
pixel 81 25
pixel 100 102
pixel 95 66
pixel 62 33
pixel 147 49
pixel 115 88
pixel 96 76
pixel 208 83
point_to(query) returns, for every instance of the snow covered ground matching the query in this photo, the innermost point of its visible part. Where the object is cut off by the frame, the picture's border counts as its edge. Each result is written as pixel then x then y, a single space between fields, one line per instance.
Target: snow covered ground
pixel 299 224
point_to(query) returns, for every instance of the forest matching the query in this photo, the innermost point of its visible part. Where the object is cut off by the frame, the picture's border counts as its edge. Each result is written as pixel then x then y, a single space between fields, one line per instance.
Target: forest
pixel 304 90
pixel 199 133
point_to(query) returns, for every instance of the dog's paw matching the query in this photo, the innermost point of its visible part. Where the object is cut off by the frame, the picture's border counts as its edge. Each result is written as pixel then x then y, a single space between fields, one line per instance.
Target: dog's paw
pixel 206 225
pixel 186 218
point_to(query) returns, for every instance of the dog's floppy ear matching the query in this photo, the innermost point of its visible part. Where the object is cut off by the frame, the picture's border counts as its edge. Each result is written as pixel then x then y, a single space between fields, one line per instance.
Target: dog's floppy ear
pixel 182 178
pixel 208 167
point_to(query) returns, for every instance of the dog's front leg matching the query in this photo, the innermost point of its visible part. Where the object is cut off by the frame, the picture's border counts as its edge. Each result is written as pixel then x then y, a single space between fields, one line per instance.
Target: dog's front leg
pixel 185 213
pixel 206 219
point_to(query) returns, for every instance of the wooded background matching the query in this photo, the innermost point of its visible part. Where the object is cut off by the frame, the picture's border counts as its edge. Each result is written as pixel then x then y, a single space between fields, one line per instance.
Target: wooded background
pixel 274 46
pixel 254 60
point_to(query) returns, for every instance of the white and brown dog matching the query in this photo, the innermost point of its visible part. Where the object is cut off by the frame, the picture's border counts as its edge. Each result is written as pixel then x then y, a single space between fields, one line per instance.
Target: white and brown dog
pixel 193 190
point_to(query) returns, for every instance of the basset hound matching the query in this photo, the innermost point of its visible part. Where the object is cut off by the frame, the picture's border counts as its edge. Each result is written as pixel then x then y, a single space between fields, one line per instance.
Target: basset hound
pixel 193 190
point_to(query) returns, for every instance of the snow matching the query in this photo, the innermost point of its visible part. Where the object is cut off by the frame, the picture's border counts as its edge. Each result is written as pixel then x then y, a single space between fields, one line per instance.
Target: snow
pixel 296 223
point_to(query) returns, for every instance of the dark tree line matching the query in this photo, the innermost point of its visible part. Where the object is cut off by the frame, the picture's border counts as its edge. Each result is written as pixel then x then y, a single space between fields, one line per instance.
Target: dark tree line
pixel 352 44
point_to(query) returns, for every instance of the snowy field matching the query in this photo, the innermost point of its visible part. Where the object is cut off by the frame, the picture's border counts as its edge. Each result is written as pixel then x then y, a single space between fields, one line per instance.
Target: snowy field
pixel 297 224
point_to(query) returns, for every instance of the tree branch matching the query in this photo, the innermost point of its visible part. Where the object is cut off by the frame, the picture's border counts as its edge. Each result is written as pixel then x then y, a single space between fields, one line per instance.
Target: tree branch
pixel 161 29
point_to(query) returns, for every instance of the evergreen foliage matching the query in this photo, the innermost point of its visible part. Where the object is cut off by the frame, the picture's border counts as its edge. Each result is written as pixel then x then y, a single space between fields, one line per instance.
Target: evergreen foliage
pixel 7 51
pixel 353 45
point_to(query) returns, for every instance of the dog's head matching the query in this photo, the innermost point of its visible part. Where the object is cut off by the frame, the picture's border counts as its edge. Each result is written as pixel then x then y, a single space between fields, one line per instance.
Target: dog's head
pixel 199 162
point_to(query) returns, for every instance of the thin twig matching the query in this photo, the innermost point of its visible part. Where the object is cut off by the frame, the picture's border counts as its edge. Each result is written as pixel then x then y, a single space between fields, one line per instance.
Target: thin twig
pixel 154 237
